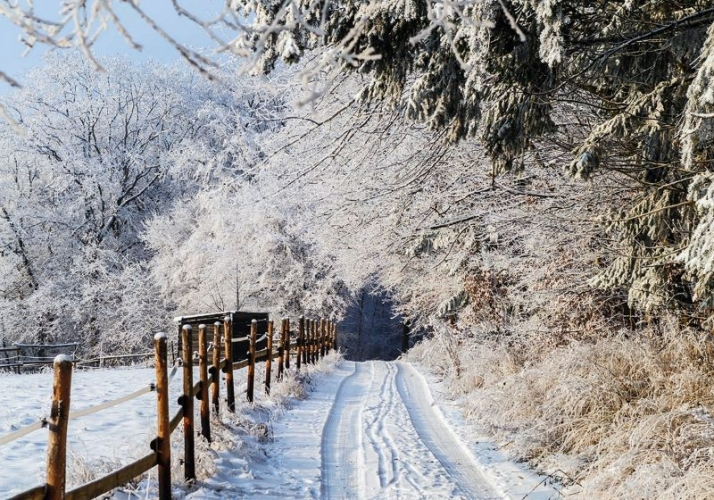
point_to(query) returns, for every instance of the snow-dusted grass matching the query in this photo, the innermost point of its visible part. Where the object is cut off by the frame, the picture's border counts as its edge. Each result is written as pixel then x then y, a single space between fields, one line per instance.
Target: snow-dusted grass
pixel 623 417
pixel 105 441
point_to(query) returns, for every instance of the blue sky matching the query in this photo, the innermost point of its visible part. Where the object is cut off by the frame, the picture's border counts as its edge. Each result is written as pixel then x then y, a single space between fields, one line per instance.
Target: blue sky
pixel 15 65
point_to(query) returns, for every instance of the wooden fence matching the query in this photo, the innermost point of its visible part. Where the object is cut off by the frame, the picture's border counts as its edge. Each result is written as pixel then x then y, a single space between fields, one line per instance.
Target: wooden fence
pixel 21 357
pixel 30 357
pixel 312 340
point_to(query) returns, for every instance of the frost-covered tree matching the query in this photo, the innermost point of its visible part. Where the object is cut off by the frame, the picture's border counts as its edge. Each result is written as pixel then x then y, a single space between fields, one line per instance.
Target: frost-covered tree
pixel 426 222
pixel 240 247
pixel 503 72
pixel 97 155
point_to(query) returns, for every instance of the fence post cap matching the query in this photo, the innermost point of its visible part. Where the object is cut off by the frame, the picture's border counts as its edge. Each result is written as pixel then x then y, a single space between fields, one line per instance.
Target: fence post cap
pixel 202 326
pixel 227 318
pixel 62 359
pixel 254 321
pixel 217 323
pixel 160 336
pixel 186 327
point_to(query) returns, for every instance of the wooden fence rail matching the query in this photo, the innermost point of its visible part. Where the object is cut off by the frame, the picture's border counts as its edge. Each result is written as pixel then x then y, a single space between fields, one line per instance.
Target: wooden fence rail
pixel 311 342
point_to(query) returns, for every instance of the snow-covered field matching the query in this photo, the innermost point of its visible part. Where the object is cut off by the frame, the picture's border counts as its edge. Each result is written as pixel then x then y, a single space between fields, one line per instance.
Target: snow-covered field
pixel 367 430
pixel 101 442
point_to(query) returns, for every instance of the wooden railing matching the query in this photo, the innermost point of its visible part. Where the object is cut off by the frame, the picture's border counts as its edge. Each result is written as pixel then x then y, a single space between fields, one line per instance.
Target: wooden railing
pixel 20 356
pixel 312 340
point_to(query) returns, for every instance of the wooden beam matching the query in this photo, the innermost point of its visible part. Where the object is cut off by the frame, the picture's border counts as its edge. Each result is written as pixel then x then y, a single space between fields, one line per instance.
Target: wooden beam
pixel 113 480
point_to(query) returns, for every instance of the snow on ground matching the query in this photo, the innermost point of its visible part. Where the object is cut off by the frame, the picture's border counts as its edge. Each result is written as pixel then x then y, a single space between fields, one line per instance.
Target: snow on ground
pixel 102 441
pixel 518 481
pixel 367 430
pixel 371 430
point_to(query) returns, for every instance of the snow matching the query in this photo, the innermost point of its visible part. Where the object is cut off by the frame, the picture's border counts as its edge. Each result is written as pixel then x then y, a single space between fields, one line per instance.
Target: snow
pixel 63 358
pixel 371 430
pixel 105 440
pixel 516 481
pixel 367 430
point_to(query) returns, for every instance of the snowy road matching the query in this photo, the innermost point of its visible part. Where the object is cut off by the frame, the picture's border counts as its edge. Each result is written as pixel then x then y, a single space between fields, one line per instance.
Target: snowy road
pixel 383 439
pixel 370 431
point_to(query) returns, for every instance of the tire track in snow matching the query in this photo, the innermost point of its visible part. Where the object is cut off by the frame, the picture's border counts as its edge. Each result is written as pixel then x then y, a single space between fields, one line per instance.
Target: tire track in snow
pixel 411 476
pixel 435 433
pixel 342 445
pixel 382 443
pixel 382 439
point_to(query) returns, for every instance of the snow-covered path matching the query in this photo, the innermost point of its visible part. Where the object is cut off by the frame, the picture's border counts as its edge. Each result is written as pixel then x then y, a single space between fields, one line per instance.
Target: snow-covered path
pixel 383 439
pixel 369 431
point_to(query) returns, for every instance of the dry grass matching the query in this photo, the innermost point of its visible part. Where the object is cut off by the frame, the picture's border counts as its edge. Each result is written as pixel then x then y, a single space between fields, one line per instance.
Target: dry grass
pixel 625 417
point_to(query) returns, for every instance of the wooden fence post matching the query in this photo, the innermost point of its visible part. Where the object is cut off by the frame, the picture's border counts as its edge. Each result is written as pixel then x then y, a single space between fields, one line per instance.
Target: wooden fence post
pixel 216 368
pixel 323 337
pixel 163 443
pixel 305 340
pixel 269 359
pixel 203 375
pixel 318 347
pixel 251 360
pixel 318 323
pixel 281 350
pixel 326 338
pixel 318 326
pixel 333 325
pixel 58 421
pixel 318 333
pixel 313 342
pixel 334 335
pixel 230 387
pixel 308 341
pixel 300 335
pixel 287 343
pixel 187 404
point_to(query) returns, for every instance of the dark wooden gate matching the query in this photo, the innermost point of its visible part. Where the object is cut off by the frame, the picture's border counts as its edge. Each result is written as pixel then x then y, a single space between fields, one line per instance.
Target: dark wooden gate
pixel 240 326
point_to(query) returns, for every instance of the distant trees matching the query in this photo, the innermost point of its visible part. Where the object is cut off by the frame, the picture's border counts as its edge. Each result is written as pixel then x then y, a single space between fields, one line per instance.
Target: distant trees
pixel 133 194
pixel 426 221
pixel 97 155
pixel 242 245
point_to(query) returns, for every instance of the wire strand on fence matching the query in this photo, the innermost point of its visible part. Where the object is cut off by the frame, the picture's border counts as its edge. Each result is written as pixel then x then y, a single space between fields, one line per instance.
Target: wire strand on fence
pixel 109 358
pixel 109 404
pixel 13 436
pixel 174 371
